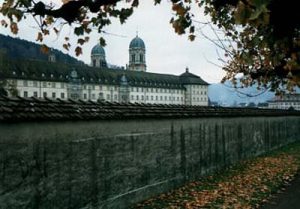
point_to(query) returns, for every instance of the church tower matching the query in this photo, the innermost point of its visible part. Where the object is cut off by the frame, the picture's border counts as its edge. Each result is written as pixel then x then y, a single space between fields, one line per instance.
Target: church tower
pixel 137 55
pixel 98 57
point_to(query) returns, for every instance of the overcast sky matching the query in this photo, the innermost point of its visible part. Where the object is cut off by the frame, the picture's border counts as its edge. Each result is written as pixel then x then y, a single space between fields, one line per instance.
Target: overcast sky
pixel 166 52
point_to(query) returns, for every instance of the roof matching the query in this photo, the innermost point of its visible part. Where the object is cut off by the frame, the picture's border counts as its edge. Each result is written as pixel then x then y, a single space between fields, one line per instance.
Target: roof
pixel 137 42
pixel 98 50
pixel 59 72
pixel 32 109
pixel 189 78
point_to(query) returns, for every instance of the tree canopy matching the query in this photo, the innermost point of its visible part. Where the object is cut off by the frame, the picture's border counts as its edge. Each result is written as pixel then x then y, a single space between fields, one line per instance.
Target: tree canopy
pixel 263 35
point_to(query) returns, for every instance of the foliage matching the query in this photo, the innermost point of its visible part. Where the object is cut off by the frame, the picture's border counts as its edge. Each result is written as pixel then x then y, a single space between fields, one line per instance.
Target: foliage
pixel 246 185
pixel 266 42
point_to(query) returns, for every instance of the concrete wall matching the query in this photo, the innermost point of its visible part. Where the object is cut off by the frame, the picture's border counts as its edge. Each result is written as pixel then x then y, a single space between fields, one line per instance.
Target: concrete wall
pixel 112 164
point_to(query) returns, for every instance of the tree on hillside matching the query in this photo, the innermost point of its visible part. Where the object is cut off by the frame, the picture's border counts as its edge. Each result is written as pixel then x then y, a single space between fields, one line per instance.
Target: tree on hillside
pixel 266 33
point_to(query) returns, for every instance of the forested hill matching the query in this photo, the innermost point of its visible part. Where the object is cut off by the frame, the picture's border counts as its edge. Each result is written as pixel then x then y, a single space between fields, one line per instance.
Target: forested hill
pixel 20 49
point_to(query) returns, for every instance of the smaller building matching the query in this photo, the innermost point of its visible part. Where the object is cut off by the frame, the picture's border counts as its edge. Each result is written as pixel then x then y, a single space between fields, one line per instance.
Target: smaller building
pixel 287 101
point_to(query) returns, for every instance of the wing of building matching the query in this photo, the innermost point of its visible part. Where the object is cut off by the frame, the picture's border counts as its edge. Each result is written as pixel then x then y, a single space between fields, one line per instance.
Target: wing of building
pixel 35 78
pixel 286 101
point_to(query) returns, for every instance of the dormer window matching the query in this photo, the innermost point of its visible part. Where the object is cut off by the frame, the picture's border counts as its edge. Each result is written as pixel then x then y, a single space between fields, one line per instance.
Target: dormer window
pixel 23 74
pixel 14 72
pixel 51 75
pixel 43 75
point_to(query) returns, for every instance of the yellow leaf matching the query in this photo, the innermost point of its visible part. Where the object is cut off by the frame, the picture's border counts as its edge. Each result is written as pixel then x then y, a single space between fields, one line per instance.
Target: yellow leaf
pixel 39 37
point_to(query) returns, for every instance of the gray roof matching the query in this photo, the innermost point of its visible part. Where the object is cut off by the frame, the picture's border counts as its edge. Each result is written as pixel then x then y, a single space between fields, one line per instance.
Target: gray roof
pixel 49 71
pixel 189 78
pixel 33 109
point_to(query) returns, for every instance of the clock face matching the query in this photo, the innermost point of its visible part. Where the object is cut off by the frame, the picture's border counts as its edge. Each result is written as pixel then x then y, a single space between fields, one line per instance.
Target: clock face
pixel 74 74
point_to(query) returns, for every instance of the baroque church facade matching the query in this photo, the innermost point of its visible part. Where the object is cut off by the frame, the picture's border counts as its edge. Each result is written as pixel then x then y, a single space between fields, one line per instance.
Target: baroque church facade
pixel 39 79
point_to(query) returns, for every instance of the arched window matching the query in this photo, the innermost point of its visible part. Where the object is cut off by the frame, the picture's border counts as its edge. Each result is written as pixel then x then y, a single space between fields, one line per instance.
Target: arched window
pixel 133 57
pixel 141 58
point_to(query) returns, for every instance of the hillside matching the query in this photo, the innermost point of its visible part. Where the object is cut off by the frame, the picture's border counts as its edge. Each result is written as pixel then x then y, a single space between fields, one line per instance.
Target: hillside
pixel 226 95
pixel 21 49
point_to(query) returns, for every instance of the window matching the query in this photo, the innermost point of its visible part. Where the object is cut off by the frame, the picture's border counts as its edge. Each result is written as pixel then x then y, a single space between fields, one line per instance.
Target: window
pixel 94 63
pixel 108 96
pixel 141 58
pixel 133 57
pixel 25 94
pixel 53 84
pixel 93 96
pixel 25 83
pixel 166 98
pixel 161 98
pixel 45 94
pixel 35 94
pixel 53 95
pixel 156 98
pixel 84 96
pixel 44 84
pixel 147 98
pixel 62 95
pixel 35 84
pixel 100 88
pixel 100 95
pixel 137 89
pixel 132 97
pixel 62 85
pixel 142 97
pixel 151 98
pixel 137 97
pixel 116 97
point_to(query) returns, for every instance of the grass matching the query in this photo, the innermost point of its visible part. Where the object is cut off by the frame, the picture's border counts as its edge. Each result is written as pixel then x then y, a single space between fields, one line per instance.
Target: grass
pixel 245 185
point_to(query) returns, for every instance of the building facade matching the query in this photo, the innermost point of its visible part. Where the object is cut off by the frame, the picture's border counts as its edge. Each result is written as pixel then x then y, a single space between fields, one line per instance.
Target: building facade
pixel 33 78
pixel 287 101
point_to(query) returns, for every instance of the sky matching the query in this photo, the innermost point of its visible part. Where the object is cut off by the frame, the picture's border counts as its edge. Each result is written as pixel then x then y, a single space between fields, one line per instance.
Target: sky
pixel 166 52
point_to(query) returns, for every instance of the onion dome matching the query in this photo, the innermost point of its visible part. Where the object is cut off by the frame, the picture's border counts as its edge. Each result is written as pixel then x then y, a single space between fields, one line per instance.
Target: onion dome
pixel 98 50
pixel 137 43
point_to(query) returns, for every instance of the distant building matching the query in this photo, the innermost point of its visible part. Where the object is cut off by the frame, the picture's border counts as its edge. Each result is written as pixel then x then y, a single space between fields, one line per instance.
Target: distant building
pixel 33 78
pixel 286 101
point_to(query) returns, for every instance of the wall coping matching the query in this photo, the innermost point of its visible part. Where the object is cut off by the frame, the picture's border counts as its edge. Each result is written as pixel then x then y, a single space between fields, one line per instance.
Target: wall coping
pixel 18 109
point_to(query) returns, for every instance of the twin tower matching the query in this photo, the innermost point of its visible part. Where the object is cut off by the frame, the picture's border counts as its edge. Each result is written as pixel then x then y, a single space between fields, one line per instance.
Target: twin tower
pixel 137 55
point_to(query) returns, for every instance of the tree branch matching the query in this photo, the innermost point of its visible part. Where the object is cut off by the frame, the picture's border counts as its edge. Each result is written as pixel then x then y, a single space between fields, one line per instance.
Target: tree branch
pixel 70 11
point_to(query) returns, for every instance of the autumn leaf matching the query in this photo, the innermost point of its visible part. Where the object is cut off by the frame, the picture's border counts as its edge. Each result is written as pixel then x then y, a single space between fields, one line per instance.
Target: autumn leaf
pixel 14 28
pixel 44 49
pixel 78 51
pixel 80 41
pixel 192 37
pixel 4 23
pixel 39 37
pixel 66 47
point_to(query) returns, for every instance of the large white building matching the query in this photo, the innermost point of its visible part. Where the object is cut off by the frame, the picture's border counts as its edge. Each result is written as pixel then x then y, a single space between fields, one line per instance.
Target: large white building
pixel 287 101
pixel 33 78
